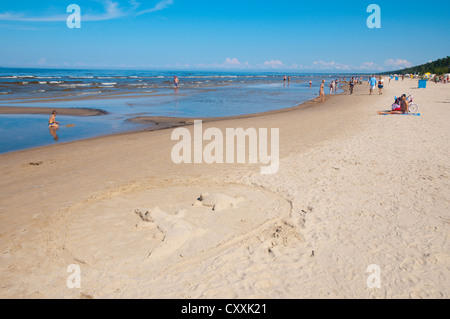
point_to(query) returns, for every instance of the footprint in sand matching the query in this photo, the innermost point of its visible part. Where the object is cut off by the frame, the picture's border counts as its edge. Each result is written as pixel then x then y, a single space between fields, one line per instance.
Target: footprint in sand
pixel 177 231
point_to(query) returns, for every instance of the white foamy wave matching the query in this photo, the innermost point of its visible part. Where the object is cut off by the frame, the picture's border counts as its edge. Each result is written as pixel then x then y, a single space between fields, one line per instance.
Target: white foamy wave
pixel 198 77
pixel 137 84
pixel 74 85
pixel 111 77
pixel 81 77
pixel 48 77
pixel 89 93
pixel 109 84
pixel 4 92
pixel 9 77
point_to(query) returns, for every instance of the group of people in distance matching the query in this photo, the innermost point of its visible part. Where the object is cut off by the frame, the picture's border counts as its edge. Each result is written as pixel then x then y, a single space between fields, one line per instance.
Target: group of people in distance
pixel 373 83
pixel 400 106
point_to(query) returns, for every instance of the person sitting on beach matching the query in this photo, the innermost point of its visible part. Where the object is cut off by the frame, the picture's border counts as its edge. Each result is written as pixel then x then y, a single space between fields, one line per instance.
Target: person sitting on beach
pixel 401 106
pixel 52 121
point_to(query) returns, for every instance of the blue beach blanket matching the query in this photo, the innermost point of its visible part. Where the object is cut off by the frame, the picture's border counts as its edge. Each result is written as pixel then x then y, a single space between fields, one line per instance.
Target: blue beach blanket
pixel 413 114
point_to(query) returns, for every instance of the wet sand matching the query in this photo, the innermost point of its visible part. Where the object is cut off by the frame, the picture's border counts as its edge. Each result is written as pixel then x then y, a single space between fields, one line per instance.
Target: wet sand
pixel 48 110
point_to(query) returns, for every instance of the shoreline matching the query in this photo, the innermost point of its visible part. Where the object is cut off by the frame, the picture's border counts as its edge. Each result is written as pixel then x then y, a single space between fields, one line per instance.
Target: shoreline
pixel 152 123
pixel 12 110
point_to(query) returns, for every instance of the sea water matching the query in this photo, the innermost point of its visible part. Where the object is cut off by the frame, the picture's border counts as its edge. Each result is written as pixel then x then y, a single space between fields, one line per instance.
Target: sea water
pixel 128 94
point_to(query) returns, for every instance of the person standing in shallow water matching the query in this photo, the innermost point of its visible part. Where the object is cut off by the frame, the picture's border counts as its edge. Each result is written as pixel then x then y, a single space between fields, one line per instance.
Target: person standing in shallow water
pixel 176 81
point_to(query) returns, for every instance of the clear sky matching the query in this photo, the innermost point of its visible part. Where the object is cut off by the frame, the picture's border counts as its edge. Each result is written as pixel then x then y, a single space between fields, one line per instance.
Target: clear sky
pixel 302 36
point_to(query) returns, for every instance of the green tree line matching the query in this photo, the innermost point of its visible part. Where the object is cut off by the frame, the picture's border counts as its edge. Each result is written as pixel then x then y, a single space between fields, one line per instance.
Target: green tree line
pixel 438 67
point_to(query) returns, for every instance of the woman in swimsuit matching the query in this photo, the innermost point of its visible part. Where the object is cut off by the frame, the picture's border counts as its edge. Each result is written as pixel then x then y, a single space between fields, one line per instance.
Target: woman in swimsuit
pixel 321 92
pixel 53 126
pixel 52 121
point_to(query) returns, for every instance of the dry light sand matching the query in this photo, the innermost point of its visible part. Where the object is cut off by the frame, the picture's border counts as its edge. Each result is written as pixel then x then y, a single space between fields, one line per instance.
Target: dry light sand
pixel 354 189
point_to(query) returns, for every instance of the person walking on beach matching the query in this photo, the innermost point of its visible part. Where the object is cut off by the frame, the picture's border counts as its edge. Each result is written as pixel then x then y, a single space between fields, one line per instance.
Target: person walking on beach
pixel 372 83
pixel 321 92
pixel 352 85
pixel 331 87
pixel 380 85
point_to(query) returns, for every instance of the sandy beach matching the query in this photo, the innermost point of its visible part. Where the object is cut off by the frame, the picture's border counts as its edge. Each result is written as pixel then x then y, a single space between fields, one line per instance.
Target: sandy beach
pixel 353 189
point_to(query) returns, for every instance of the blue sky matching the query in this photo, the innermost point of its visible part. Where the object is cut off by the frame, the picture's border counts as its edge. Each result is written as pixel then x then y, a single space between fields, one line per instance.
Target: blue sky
pixel 302 36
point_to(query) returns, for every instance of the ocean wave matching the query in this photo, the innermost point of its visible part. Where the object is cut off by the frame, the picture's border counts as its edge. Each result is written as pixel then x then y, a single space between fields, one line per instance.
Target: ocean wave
pixel 136 84
pixel 111 77
pixel 75 85
pixel 48 77
pixel 89 93
pixel 81 77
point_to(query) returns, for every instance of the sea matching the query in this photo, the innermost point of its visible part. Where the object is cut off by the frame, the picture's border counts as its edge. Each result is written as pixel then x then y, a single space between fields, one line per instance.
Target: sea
pixel 125 94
